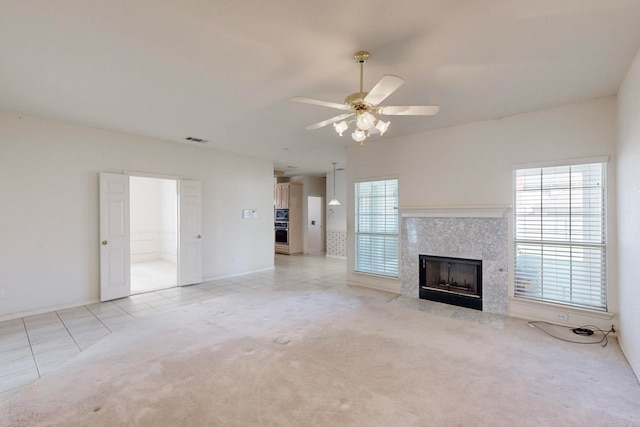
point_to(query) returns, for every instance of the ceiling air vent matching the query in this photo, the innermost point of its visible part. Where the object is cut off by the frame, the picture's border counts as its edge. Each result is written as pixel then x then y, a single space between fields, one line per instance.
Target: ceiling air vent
pixel 193 139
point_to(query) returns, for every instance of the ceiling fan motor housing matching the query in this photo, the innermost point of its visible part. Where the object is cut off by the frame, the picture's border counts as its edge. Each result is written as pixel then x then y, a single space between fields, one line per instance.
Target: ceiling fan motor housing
pixel 356 102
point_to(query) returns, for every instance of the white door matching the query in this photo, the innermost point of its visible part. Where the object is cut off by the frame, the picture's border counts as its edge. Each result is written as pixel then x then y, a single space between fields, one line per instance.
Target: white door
pixel 314 227
pixel 190 233
pixel 114 236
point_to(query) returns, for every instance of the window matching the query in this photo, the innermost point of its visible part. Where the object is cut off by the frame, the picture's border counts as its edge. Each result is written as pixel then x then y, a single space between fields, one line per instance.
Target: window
pixel 559 235
pixel 376 227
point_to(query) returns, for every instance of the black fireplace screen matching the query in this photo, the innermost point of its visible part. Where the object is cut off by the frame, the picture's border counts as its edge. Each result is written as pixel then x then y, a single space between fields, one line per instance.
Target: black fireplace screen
pixel 451 280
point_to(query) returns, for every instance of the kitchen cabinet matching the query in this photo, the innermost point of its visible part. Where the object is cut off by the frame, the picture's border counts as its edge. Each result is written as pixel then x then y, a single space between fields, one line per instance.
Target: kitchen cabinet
pixel 289 196
pixel 281 195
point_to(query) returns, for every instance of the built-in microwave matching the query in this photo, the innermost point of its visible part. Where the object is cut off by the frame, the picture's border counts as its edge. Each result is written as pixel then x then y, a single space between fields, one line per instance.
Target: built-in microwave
pixel 282 214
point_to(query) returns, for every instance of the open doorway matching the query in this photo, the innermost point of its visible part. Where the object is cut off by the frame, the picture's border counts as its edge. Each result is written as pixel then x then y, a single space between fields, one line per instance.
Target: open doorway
pixel 154 233
pixel 315 228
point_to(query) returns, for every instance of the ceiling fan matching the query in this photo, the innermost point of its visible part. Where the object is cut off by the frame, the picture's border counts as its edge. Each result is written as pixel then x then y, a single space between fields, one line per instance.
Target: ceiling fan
pixel 363 105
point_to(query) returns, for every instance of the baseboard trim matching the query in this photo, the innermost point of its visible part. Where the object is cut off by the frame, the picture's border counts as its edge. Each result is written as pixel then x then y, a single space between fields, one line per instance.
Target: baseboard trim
pixel 19 314
pixel 43 310
pixel 227 276
pixel 374 286
pixel 635 368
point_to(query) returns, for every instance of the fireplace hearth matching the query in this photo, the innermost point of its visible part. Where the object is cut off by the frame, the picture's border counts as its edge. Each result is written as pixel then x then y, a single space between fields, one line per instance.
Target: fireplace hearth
pixel 456 281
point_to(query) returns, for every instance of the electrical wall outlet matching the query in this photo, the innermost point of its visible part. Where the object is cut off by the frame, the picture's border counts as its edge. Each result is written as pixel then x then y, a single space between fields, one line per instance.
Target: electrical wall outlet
pixel 562 316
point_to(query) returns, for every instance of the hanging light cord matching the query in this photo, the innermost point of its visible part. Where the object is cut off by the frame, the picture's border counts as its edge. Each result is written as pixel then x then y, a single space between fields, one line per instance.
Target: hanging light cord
pixel 334 180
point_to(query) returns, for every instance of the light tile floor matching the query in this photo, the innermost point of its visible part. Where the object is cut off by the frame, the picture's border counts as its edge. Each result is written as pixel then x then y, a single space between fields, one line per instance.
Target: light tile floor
pixel 34 345
pixel 152 276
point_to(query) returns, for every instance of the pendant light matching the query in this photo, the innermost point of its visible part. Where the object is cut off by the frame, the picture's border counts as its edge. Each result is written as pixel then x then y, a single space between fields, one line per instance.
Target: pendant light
pixel 334 201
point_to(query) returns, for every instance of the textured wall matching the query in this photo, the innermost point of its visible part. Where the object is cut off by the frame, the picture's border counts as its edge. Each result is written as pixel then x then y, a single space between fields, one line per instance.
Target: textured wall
pixel 486 239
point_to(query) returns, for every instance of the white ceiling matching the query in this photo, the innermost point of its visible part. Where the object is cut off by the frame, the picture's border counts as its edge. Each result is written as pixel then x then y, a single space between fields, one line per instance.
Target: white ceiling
pixel 225 70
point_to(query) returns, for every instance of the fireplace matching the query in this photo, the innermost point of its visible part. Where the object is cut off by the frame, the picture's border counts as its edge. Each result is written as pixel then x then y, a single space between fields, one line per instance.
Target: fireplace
pixel 472 233
pixel 456 281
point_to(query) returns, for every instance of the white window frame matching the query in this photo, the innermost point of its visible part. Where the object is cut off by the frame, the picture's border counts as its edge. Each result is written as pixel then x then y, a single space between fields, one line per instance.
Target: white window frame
pixel 381 257
pixel 582 289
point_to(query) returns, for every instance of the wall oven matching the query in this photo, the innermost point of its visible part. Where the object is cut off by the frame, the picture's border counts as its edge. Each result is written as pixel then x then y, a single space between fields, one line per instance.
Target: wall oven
pixel 282 232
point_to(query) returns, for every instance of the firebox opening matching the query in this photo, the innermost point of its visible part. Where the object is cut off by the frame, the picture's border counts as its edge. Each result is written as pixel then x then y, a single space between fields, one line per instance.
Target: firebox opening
pixel 454 281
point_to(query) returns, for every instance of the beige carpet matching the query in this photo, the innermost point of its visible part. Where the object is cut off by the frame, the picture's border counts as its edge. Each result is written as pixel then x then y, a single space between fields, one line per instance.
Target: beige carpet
pixel 329 359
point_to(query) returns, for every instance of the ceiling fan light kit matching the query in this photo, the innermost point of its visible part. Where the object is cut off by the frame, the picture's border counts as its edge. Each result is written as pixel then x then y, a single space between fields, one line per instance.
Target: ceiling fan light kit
pixel 364 106
pixel 341 127
pixel 382 126
pixel 365 120
pixel 358 135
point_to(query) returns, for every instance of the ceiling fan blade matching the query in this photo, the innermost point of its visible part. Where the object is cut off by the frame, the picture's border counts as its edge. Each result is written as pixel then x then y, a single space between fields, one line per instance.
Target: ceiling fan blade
pixel 328 121
pixel 385 87
pixel 321 103
pixel 409 110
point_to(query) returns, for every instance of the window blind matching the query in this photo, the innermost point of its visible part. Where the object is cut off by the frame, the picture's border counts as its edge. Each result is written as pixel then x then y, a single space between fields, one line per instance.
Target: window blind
pixel 559 235
pixel 376 227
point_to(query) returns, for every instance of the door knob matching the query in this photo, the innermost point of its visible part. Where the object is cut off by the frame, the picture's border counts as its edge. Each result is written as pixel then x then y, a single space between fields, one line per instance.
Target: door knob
pixel 104 242
pixel 198 236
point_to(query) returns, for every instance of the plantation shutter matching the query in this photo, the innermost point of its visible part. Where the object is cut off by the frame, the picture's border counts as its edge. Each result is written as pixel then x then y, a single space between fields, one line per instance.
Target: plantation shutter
pixel 376 227
pixel 559 235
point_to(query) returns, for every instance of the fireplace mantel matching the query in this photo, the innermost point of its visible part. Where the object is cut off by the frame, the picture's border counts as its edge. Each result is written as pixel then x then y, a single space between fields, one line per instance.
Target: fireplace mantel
pixel 488 211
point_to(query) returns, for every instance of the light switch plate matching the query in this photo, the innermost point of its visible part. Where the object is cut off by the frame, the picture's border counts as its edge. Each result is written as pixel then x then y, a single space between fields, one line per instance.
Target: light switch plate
pixel 249 213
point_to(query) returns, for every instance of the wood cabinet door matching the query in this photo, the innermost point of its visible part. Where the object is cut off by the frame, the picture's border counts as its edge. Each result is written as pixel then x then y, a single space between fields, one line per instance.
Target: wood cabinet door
pixel 277 189
pixel 281 196
pixel 285 196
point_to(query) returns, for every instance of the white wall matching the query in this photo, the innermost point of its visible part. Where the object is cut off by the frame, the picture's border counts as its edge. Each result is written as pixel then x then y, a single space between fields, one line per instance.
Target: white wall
pixel 49 215
pixel 471 165
pixel 629 214
pixel 144 218
pixel 168 220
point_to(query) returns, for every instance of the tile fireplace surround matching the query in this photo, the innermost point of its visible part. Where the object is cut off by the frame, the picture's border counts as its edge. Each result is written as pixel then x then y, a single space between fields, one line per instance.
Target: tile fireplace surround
pixel 466 232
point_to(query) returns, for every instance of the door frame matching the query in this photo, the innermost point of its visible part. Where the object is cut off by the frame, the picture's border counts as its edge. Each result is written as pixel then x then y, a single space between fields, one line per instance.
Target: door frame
pixel 127 267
